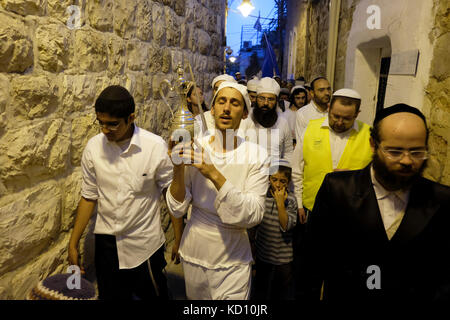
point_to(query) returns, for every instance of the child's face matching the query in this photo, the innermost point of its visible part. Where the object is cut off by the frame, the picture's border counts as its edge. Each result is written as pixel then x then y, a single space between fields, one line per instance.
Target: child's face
pixel 278 181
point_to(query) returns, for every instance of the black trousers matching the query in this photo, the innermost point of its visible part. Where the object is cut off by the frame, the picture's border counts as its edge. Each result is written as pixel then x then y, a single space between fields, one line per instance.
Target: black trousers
pixel 127 284
pixel 299 246
pixel 274 282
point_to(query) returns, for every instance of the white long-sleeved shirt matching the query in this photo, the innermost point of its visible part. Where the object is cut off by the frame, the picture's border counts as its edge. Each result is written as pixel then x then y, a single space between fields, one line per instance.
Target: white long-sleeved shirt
pixel 277 140
pixel 127 186
pixel 304 115
pixel 338 141
pixel 215 235
pixel 392 205
pixel 291 118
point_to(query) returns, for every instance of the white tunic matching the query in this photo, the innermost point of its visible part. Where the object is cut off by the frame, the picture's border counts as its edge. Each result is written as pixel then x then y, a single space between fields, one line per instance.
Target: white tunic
pixel 215 235
pixel 277 140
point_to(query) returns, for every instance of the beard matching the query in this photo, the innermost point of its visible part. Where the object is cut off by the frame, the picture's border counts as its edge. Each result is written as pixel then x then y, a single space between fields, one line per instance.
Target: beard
pixel 266 118
pixel 390 180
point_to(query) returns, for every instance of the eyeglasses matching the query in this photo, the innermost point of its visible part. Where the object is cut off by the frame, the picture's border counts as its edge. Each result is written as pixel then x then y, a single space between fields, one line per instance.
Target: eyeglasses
pixel 111 126
pixel 264 99
pixel 398 154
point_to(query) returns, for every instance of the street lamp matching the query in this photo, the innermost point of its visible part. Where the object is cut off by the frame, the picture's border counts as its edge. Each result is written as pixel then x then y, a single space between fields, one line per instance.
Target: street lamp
pixel 232 59
pixel 246 7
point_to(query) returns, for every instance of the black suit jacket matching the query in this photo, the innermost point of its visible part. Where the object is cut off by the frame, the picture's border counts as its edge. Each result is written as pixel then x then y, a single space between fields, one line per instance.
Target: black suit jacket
pixel 347 236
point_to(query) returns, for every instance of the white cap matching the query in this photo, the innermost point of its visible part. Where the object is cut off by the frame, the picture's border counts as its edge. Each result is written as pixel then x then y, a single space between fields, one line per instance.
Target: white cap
pixel 349 93
pixel 268 85
pixel 252 85
pixel 275 164
pixel 239 87
pixel 222 77
pixel 297 87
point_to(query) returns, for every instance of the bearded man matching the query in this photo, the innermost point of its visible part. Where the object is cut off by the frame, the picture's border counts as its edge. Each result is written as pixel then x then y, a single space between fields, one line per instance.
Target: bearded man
pixel 380 234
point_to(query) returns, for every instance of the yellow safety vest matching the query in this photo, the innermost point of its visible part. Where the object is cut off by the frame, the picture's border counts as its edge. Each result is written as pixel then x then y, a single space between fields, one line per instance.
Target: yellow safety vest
pixel 317 156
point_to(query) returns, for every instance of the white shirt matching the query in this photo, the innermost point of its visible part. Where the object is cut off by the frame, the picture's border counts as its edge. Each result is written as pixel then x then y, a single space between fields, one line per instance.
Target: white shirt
pixel 277 140
pixel 215 235
pixel 392 205
pixel 291 117
pixel 338 141
pixel 128 186
pixel 306 114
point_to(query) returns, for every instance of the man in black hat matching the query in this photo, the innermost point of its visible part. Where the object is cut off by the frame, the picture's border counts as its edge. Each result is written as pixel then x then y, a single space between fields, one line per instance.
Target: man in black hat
pixel 381 233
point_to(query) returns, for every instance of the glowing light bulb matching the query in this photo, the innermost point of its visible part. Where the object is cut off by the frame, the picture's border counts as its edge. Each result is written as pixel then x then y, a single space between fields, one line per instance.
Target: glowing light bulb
pixel 232 59
pixel 246 7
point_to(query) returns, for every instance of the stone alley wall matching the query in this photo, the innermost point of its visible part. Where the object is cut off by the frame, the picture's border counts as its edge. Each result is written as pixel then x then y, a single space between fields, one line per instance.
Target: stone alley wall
pixel 437 98
pixel 54 61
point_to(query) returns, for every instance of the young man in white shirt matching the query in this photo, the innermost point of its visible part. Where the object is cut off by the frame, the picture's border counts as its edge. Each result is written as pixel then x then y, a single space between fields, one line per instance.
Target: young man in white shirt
pixel 125 171
pixel 226 182
pixel 317 108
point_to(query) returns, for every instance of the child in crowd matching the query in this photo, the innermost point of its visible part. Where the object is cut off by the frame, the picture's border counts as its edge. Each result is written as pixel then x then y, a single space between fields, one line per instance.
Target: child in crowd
pixel 274 253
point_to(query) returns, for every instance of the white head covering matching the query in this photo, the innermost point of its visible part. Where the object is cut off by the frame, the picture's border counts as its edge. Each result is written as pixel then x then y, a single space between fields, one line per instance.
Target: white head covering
pixel 297 87
pixel 252 85
pixel 349 93
pixel 222 77
pixel 275 164
pixel 239 87
pixel 268 85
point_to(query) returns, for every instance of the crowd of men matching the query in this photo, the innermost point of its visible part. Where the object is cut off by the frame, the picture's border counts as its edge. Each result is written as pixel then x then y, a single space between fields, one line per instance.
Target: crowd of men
pixel 289 197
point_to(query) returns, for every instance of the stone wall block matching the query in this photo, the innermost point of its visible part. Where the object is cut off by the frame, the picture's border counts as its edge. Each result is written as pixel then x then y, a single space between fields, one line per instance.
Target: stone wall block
pixel 137 55
pixel 52 261
pixel 144 20
pixel 189 11
pixel 25 7
pixel 125 18
pixel 198 15
pixel 54 149
pixel 116 54
pixel 155 58
pixel 83 128
pixel 180 7
pixel 159 24
pixel 16 47
pixel 440 67
pixel 91 50
pixel 58 10
pixel 72 194
pixel 54 47
pixel 166 60
pixel 172 33
pixel 99 14
pixel 4 92
pixel 28 223
pixel 78 92
pixel 184 35
pixel 192 38
pixel 33 153
pixel 204 42
pixel 34 96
